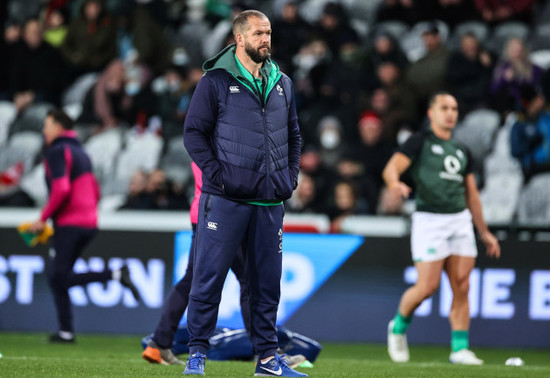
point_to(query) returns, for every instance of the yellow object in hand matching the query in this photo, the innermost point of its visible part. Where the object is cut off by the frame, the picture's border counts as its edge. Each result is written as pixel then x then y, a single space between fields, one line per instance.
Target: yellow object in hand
pixel 32 239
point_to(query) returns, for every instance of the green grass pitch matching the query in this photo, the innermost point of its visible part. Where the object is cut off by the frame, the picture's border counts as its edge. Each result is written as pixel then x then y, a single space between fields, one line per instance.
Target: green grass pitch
pixel 29 355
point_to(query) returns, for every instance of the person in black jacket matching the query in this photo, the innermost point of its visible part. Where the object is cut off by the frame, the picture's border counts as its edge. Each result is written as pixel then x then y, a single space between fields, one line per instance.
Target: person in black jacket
pixel 290 33
pixel 37 69
pixel 469 73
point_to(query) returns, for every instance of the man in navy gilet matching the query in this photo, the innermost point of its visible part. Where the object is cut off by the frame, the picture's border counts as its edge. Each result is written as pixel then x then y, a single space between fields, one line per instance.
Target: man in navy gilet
pixel 242 131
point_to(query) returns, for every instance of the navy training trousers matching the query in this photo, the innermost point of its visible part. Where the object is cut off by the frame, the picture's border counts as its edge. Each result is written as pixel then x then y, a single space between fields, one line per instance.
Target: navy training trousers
pixel 178 298
pixel 68 245
pixel 223 227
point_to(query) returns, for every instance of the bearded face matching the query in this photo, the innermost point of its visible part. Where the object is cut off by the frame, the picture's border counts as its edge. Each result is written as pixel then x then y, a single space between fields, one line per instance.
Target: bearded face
pixel 257 39
pixel 258 54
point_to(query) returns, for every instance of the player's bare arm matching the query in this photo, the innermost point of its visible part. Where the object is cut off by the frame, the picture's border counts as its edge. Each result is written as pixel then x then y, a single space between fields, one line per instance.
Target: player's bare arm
pixel 397 164
pixel 474 205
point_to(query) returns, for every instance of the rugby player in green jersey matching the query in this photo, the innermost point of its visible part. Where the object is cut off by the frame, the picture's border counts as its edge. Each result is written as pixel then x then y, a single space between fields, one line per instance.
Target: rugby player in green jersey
pixel 442 236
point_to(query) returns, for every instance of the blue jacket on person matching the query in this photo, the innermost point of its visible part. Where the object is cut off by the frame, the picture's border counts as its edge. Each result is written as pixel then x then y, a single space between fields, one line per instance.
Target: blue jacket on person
pixel 245 139
pixel 530 141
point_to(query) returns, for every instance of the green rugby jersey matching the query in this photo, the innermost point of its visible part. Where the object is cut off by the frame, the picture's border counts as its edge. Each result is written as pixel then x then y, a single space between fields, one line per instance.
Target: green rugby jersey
pixel 438 168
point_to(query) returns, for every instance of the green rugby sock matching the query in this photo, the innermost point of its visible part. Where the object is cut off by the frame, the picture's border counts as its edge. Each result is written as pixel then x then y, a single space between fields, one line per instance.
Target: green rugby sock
pixel 459 340
pixel 401 323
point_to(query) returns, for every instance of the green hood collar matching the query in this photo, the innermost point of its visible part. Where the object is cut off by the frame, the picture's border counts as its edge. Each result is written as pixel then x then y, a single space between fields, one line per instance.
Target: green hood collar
pixel 225 60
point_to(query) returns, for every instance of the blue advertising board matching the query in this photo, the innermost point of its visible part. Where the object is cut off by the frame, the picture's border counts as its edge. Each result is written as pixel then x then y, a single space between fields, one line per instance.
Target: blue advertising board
pixel 308 261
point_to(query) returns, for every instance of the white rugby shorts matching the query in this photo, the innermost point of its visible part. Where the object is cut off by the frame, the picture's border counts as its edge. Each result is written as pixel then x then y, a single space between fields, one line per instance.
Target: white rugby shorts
pixel 437 236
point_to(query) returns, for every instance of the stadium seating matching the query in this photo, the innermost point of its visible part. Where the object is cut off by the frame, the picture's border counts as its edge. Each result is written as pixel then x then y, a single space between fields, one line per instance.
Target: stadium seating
pixel 541 58
pixel 77 91
pixel 361 27
pixel 117 153
pixel 142 151
pixel 478 28
pixel 499 197
pixel 22 148
pixel 534 202
pixel 35 186
pixel 27 144
pixel 397 29
pixel 176 163
pixel 73 110
pixel 412 43
pixel 7 115
pixel 103 149
pixel 17 158
pixel 503 178
pixel 496 164
pixel 363 10
pixel 505 31
pixel 32 118
pixel 477 131
pixel 190 37
pixel 542 13
pixel 540 38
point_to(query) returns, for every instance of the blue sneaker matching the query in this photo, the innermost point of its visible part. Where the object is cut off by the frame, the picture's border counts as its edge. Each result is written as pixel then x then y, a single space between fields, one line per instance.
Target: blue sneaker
pixel 276 367
pixel 195 364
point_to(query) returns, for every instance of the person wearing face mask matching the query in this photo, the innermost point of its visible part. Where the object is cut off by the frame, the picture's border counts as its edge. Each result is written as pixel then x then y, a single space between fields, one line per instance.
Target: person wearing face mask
pixel 121 95
pixel 103 103
pixel 132 87
pixel 330 140
pixel 330 135
pixel 173 91
pixel 133 74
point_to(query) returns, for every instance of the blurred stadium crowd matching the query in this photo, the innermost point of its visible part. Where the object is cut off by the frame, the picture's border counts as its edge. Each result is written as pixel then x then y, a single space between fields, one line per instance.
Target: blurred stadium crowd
pixel 125 71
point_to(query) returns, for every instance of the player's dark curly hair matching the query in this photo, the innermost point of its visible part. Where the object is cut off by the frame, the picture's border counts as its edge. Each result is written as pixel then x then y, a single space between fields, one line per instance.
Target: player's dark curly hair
pixel 62 118
pixel 434 95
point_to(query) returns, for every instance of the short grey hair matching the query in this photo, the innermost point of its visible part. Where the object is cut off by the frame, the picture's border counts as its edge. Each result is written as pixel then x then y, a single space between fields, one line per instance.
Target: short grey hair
pixel 240 23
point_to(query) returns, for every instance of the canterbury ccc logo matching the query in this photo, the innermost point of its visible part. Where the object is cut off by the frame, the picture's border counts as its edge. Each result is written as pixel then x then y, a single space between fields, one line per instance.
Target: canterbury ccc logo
pixel 452 164
pixel 234 89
